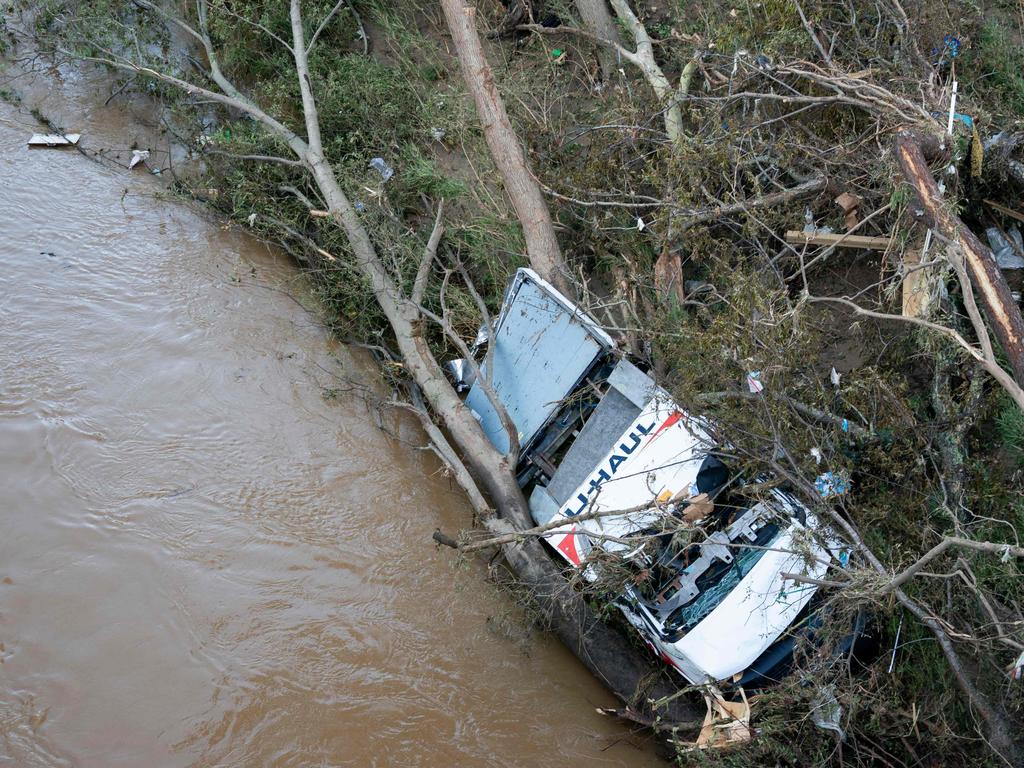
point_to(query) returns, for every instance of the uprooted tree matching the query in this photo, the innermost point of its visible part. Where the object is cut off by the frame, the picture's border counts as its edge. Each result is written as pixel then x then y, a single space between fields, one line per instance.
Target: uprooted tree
pixel 673 202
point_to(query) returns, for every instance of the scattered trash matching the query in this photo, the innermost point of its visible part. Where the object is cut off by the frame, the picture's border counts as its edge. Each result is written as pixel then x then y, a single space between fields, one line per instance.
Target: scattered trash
pixel 816 455
pixel 640 225
pixel 1017 669
pixel 965 119
pixel 895 646
pixel 360 206
pixel 958 117
pixel 556 52
pixel 826 711
pixel 952 113
pixel 834 376
pixel 726 723
pixel 437 133
pixel 754 383
pixel 483 335
pixel 698 507
pixel 385 170
pixel 845 425
pixel 461 374
pixel 54 139
pixel 831 484
pixel 951 46
pixel 138 156
pixel 251 219
pixel 849 203
pixel 1007 256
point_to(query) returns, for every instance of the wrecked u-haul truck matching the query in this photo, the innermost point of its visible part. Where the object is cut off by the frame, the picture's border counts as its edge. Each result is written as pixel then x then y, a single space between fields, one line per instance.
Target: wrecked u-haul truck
pixel 699 566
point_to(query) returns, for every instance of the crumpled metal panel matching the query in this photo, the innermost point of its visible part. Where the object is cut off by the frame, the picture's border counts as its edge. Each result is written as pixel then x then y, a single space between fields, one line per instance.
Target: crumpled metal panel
pixel 543 345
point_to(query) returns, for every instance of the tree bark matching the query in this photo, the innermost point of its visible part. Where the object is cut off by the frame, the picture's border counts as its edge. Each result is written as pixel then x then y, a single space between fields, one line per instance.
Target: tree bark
pixel 541 243
pixel 595 17
pixel 1002 311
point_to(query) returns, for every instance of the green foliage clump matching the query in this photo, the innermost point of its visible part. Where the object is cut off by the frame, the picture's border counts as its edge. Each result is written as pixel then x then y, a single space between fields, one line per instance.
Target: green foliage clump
pixel 996 64
pixel 1010 423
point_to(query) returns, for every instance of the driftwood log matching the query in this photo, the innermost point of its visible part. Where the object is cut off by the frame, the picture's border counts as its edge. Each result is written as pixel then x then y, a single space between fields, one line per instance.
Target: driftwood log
pixel 912 150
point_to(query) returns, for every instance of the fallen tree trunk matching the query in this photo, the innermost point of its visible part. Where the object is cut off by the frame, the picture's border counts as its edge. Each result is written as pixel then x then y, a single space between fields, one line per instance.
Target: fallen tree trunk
pixel 541 243
pixel 595 17
pixel 1000 308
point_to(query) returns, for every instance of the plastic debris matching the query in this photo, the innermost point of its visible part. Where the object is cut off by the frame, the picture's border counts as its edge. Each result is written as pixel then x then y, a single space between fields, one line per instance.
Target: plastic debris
pixel 251 219
pixel 831 484
pixel 360 206
pixel 437 133
pixel 726 723
pixel 138 156
pixel 816 455
pixel 754 383
pixel 1017 671
pixel 556 52
pixel 826 712
pixel 834 376
pixel 54 139
pixel 845 425
pixel 1007 256
pixel 951 46
pixel 810 228
pixel 640 225
pixel 483 335
pixel 385 170
pixel 461 374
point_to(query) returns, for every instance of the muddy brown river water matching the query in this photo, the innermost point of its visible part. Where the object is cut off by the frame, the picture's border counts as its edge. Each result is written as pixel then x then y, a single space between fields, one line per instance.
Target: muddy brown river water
pixel 203 560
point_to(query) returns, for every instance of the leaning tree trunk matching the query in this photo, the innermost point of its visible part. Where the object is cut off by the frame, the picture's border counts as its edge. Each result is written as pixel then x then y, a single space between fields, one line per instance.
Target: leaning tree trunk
pixel 596 18
pixel 1002 311
pixel 520 184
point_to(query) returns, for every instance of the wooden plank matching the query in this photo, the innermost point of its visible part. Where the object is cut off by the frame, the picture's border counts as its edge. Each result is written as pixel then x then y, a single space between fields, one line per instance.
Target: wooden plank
pixel 54 139
pixel 1003 209
pixel 796 237
pixel 919 288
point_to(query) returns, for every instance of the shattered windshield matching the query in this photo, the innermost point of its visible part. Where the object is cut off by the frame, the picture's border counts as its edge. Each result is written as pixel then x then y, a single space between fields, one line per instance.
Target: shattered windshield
pixel 683 572
pixel 719 584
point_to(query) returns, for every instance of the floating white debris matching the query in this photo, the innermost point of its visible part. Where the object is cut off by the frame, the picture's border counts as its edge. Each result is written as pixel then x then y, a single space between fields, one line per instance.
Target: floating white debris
pixel 138 156
pixel 54 139
pixel 754 383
